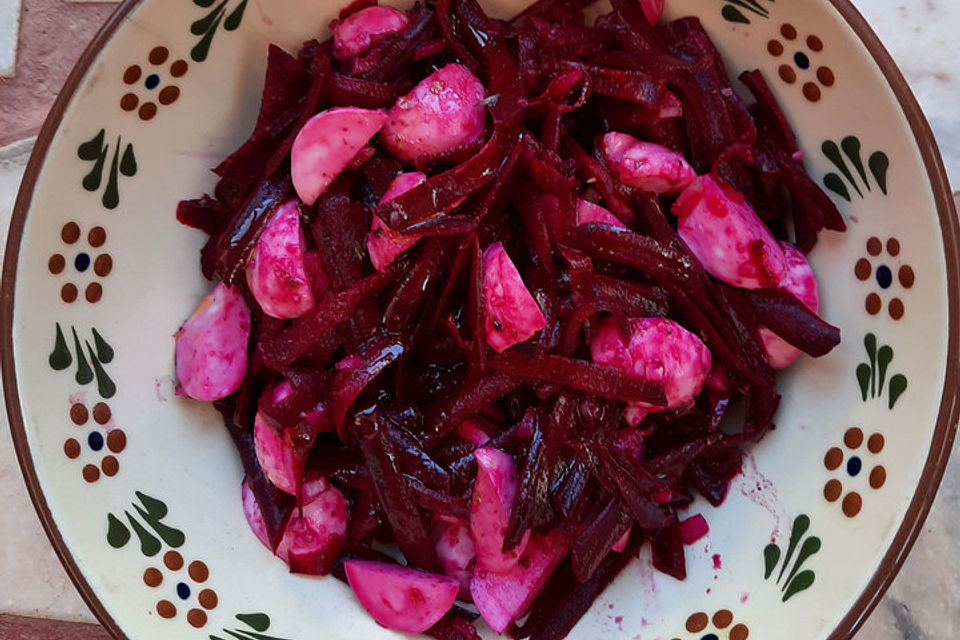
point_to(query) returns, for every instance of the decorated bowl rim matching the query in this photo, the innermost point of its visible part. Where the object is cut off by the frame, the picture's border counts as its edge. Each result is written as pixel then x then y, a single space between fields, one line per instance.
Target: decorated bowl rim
pixel 947 418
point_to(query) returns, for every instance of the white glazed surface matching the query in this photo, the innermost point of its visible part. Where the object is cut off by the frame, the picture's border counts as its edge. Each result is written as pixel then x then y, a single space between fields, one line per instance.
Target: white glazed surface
pixel 209 487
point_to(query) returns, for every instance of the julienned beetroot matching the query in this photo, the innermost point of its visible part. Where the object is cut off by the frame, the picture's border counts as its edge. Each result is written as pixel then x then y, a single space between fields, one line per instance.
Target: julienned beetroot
pixel 503 357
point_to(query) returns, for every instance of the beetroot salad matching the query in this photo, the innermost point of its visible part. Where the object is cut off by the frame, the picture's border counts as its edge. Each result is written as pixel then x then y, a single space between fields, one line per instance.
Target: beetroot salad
pixel 485 291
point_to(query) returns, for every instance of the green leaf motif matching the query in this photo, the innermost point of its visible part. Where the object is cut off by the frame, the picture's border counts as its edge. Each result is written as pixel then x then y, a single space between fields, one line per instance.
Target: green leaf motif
pixel 104 350
pixel 898 384
pixel 849 153
pixel 150 513
pixel 259 622
pixel 149 545
pixel 206 26
pixel 863 377
pixel 84 372
pixel 118 535
pixel 256 621
pixel 105 386
pixel 60 357
pixel 835 183
pixel 89 362
pixel 731 11
pixel 123 163
pixel 872 375
pixel 803 581
pixel 771 556
pixel 791 578
pixel 884 358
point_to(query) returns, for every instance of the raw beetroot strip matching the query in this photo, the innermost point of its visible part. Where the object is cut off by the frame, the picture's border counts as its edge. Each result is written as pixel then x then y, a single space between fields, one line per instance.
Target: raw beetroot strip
pixel 275 505
pixel 282 351
pixel 393 490
pixel 476 311
pixel 340 232
pixel 345 91
pixel 469 401
pixel 632 299
pixel 632 86
pixel 358 370
pixel 416 463
pixel 767 104
pixel 462 257
pixel 241 234
pixel 790 319
pixel 437 501
pixel 623 246
pixel 598 538
pixel 395 50
pixel 453 627
pixel 638 35
pixel 445 20
pixel 417 284
pixel 531 508
pixel 591 169
pixel 364 516
pixel 206 214
pixel 440 193
pixel 622 476
pixel 319 71
pixel 531 214
pixel 666 551
pixel 579 375
pixel 548 8
pixel 575 321
pixel 564 600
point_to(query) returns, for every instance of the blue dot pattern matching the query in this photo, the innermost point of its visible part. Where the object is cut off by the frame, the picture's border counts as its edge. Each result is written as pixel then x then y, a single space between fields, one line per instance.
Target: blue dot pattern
pixel 183 591
pixel 81 262
pixel 802 60
pixel 95 440
pixel 152 81
pixel 854 465
pixel 884 276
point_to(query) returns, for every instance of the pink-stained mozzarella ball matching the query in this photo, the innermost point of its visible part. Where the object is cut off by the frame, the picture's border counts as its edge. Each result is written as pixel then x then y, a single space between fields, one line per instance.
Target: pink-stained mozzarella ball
pixel 276 456
pixel 441 113
pixel 802 283
pixel 646 166
pixel 512 314
pixel 456 552
pixel 401 598
pixel 671 106
pixel 472 432
pixel 493 494
pixel 588 212
pixel 320 527
pixel 621 544
pixel 276 273
pixel 726 236
pixel 659 350
pixel 383 243
pixel 326 145
pixel 354 35
pixel 652 10
pixel 503 596
pixel 251 510
pixel 211 346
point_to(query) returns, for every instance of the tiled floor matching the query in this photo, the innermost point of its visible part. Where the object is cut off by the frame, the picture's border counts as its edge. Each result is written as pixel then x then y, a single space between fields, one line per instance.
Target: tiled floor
pixel 51 37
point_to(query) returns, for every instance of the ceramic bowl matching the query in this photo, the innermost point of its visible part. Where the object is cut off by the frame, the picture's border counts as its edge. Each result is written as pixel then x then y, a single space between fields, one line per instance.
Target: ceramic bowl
pixel 139 489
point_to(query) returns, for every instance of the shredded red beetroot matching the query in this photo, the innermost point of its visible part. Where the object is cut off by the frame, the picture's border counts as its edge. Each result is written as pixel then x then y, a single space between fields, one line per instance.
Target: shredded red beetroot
pixel 386 388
